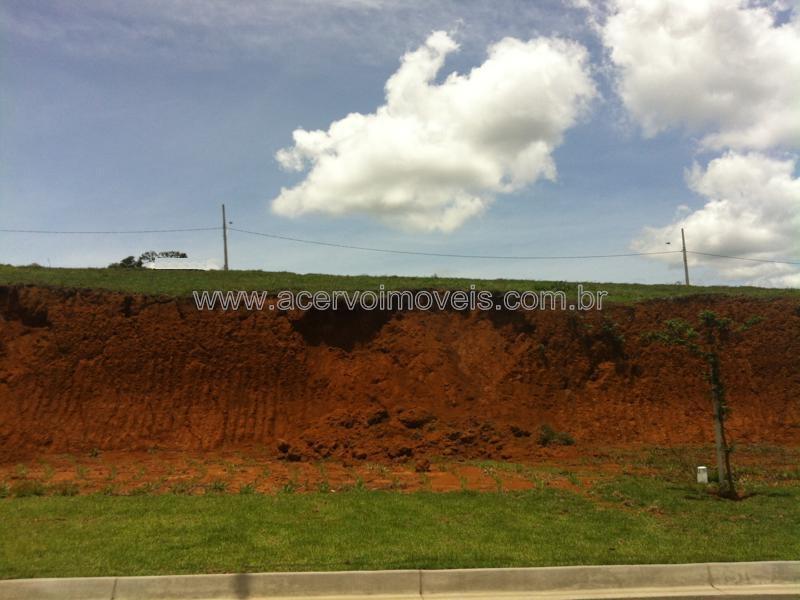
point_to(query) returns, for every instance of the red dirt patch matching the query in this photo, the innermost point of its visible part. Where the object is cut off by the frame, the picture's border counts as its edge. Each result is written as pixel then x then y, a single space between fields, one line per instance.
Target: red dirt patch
pixel 85 369
pixel 211 472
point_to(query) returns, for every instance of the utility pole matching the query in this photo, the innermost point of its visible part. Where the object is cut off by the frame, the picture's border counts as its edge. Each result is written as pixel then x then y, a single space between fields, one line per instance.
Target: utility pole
pixel 225 240
pixel 683 241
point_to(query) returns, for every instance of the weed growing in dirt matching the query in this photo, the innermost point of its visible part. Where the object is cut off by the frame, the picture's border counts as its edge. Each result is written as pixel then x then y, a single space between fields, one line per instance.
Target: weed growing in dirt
pixel 28 488
pixel 549 436
pixel 182 488
pixel 679 464
pixel 425 482
pixel 109 490
pixel 324 485
pixel 146 489
pixel 64 488
pixel 47 471
pixel 294 478
pixel 542 350
pixel 790 475
pixel 218 486
pixel 611 334
pixel 247 488
pixel 490 471
pixel 571 477
pixel 202 470
pixel 378 469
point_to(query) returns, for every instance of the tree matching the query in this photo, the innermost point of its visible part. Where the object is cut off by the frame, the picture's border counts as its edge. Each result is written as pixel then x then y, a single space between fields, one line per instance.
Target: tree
pixel 129 262
pixel 706 341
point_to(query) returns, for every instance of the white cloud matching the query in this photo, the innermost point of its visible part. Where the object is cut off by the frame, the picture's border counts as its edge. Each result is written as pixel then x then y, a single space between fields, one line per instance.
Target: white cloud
pixel 435 155
pixel 721 68
pixel 724 70
pixel 752 209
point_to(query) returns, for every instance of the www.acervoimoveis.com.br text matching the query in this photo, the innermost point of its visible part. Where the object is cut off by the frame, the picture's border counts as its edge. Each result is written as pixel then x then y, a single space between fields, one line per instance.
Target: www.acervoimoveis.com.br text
pixel 392 300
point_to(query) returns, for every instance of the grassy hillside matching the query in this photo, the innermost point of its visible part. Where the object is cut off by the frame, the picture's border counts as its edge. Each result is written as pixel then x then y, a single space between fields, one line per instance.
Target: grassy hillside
pixel 181 283
pixel 625 521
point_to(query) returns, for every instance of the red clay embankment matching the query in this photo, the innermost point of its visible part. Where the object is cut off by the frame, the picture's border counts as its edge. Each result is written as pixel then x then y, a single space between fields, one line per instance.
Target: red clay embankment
pixel 90 369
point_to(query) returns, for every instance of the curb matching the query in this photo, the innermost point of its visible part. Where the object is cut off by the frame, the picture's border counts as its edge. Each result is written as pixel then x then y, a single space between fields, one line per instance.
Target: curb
pixel 700 580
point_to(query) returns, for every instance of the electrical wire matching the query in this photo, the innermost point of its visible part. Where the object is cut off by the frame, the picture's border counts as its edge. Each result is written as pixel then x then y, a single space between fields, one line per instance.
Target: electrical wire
pixel 760 260
pixel 394 251
pixel 125 231
pixel 442 254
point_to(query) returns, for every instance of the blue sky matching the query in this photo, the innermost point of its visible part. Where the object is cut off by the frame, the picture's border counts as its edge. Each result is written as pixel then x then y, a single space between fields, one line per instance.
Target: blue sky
pixel 142 115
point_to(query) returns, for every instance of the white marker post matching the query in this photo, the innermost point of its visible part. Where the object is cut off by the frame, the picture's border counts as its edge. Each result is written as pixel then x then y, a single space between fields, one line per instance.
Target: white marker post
pixel 702 475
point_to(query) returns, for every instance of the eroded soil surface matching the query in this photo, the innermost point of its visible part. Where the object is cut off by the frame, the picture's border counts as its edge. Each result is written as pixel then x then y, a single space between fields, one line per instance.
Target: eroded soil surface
pixel 107 374
pixel 253 470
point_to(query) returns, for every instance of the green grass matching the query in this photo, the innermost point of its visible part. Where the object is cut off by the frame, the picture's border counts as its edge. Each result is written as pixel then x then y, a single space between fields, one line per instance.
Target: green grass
pixel 182 283
pixel 643 520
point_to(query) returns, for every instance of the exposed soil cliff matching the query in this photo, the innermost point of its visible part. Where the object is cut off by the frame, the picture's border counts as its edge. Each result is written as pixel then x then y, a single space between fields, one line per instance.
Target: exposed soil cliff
pixel 88 369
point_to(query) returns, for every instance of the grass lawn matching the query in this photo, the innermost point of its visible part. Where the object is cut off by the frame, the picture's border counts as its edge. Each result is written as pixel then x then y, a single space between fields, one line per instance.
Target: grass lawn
pixel 182 283
pixel 625 520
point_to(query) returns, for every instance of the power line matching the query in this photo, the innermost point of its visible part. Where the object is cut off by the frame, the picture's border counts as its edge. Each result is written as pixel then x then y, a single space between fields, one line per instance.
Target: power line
pixel 482 256
pixel 442 254
pixel 760 260
pixel 391 250
pixel 125 231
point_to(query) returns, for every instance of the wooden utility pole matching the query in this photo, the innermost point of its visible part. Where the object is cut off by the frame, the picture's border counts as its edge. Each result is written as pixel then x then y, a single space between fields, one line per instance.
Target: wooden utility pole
pixel 225 239
pixel 683 241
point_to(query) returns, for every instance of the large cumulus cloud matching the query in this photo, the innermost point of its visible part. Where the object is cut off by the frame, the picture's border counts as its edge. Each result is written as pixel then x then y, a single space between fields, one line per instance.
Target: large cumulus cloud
pixel 436 154
pixel 727 70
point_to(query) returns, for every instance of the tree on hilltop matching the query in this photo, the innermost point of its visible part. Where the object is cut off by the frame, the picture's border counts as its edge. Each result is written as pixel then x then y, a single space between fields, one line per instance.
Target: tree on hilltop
pixel 129 262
